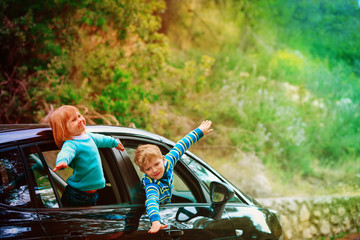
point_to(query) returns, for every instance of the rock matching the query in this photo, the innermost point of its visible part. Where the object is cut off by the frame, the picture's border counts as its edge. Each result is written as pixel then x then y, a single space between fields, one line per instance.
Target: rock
pixel 346 224
pixel 313 230
pixel 326 211
pixel 307 234
pixel 336 230
pixel 334 219
pixel 325 227
pixel 288 234
pixel 292 206
pixel 310 232
pixel 317 218
pixel 317 213
pixel 341 211
pixel 304 214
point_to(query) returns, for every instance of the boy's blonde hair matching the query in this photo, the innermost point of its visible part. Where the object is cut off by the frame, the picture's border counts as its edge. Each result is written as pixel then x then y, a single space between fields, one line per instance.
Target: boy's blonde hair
pixel 145 153
pixel 58 120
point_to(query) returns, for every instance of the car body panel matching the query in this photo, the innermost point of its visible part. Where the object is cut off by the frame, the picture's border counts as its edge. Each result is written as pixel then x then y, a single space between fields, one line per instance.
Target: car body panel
pixel 200 226
pixel 17 223
pixel 97 222
pixel 254 222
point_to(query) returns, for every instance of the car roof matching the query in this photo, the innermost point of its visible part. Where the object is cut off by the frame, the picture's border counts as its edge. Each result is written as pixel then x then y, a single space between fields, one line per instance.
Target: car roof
pixel 10 133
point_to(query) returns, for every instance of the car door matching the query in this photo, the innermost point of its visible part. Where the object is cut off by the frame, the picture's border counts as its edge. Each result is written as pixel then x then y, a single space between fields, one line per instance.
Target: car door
pixel 190 215
pixel 108 220
pixel 18 217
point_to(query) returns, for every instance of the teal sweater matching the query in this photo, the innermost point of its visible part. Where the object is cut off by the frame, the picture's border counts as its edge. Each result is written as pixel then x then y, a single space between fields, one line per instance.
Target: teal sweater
pixel 83 156
pixel 160 191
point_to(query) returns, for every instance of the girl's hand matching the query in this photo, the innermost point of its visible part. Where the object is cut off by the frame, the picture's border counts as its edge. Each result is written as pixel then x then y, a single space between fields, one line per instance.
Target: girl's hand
pixel 120 147
pixel 205 127
pixel 61 165
pixel 156 226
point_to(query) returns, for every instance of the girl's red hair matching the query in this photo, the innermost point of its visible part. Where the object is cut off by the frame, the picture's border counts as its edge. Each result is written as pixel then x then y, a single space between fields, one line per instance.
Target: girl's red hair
pixel 58 120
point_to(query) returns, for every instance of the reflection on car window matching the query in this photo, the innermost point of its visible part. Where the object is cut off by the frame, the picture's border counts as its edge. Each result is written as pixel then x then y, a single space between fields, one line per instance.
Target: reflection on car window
pixel 181 190
pixel 43 188
pixel 204 174
pixel 201 172
pixel 14 190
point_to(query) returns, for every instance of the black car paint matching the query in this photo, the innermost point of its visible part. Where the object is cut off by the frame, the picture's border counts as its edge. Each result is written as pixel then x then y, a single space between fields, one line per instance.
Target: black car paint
pixel 247 220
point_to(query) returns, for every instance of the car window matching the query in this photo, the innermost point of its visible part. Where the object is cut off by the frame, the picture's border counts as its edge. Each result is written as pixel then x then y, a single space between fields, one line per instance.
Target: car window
pixel 131 152
pixel 43 187
pixel 181 192
pixel 14 189
pixel 204 174
pixel 50 158
pixel 107 195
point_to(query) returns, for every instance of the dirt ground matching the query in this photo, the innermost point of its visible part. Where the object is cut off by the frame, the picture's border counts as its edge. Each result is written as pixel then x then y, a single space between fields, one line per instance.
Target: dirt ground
pixel 352 236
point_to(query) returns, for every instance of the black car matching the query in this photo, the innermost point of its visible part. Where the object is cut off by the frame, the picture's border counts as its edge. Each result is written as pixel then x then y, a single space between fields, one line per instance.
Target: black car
pixel 204 204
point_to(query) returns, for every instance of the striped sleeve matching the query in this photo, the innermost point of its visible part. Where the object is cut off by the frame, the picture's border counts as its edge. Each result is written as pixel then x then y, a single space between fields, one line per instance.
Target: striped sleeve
pixel 152 191
pixel 181 146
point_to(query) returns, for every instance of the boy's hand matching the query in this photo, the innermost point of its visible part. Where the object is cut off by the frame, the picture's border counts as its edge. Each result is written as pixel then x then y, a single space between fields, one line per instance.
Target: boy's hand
pixel 61 165
pixel 205 127
pixel 156 226
pixel 120 147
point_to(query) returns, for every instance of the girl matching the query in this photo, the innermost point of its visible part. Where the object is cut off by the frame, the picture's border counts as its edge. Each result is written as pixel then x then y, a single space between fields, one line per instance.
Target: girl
pixel 79 150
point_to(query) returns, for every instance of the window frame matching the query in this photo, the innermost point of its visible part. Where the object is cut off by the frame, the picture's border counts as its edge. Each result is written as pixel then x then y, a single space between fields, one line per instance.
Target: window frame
pixel 115 177
pixel 32 182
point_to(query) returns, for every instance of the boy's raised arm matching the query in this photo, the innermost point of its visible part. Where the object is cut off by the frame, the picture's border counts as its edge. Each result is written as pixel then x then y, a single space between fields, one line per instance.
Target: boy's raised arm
pixel 186 142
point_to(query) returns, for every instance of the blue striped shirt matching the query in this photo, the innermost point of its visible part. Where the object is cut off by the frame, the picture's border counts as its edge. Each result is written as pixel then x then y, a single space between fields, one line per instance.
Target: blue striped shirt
pixel 160 191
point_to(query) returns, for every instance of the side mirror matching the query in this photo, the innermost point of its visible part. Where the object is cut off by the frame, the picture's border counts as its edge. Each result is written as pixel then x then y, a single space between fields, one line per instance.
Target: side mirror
pixel 220 194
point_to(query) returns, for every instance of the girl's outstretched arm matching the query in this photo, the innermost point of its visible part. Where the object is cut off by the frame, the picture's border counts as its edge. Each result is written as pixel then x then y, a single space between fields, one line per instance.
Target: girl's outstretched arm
pixel 59 166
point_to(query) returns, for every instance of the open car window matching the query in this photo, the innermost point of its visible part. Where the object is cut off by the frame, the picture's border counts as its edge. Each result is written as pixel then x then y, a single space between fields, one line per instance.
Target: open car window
pixel 182 191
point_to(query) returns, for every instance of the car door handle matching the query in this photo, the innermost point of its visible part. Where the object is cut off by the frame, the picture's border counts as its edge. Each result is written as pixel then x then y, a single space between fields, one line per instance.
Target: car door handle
pixel 174 234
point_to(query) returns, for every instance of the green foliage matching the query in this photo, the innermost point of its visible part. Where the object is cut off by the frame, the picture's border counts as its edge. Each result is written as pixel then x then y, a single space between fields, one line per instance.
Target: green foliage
pixel 121 98
pixel 288 85
pixel 72 50
pixel 327 29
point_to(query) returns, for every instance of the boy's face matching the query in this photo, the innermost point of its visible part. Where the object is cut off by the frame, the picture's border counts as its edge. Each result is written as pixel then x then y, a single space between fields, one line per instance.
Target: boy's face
pixel 154 168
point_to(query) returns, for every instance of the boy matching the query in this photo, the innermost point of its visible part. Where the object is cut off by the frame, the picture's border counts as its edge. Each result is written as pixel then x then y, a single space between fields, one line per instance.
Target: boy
pixel 159 171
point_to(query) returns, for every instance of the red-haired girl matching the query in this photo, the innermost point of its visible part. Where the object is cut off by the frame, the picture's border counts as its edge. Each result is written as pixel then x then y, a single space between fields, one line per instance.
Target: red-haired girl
pixel 79 150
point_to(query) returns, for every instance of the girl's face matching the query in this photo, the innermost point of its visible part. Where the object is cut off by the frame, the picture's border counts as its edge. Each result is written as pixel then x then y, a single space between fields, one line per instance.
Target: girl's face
pixel 76 124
